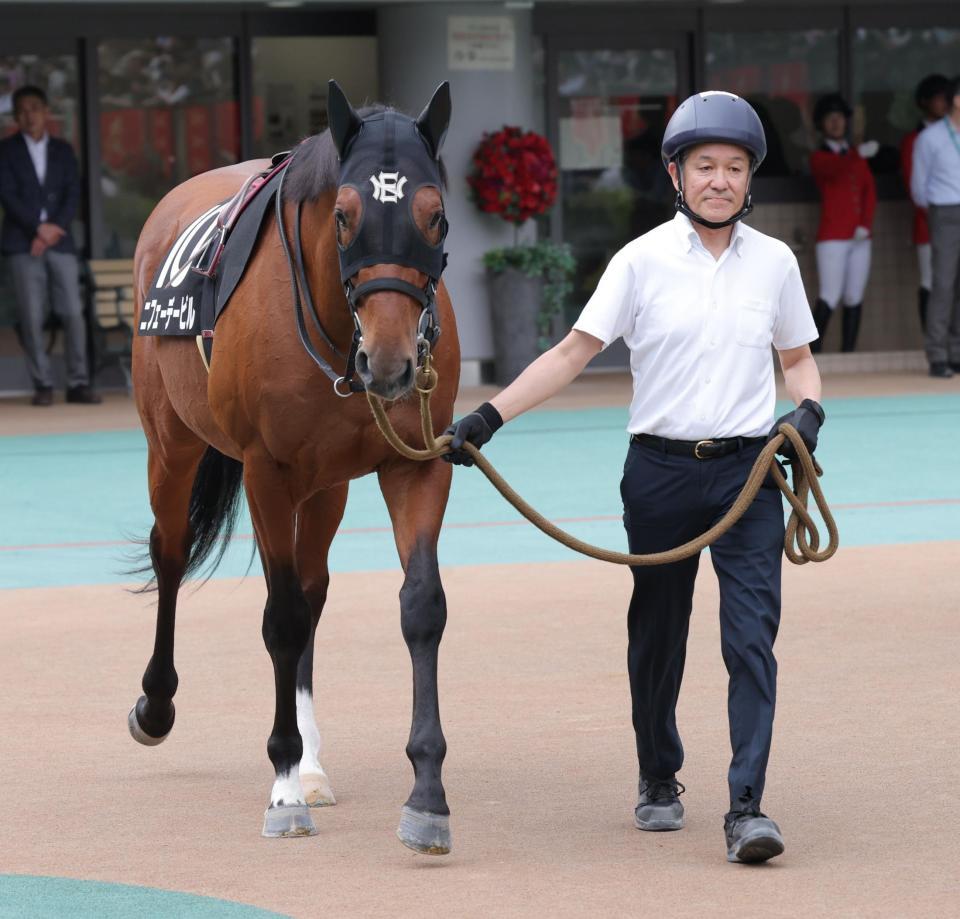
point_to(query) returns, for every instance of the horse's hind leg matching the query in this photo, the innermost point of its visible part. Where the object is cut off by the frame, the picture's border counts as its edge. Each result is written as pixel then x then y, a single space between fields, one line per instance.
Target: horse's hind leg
pixel 317 522
pixel 286 628
pixel 171 472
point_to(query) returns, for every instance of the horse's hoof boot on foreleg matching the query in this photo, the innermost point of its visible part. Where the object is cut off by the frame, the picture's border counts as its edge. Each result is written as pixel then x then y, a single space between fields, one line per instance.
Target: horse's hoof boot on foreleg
pixel 288 820
pixel 317 791
pixel 138 733
pixel 428 834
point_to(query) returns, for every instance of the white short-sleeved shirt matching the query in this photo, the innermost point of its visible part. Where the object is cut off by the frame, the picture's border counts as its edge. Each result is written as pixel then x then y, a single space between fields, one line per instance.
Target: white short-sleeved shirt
pixel 700 329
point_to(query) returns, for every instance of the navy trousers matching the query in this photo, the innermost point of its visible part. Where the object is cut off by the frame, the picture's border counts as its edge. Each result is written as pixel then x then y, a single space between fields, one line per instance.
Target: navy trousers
pixel 669 500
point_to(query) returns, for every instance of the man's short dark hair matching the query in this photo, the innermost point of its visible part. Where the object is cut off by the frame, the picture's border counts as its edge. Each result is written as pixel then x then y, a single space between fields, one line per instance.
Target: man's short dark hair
pixel 26 91
pixel 936 84
pixel 954 89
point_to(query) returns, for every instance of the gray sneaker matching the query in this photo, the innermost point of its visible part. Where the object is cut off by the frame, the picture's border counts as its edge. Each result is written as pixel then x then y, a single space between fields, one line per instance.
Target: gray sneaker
pixel 751 835
pixel 659 807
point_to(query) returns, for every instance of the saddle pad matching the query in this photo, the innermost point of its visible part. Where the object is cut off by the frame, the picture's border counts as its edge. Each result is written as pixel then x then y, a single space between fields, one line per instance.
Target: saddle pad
pixel 181 301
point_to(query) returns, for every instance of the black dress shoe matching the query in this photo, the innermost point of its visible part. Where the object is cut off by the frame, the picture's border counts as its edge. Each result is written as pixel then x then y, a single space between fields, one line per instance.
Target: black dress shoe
pixel 955 366
pixel 941 370
pixel 42 396
pixel 83 395
pixel 751 836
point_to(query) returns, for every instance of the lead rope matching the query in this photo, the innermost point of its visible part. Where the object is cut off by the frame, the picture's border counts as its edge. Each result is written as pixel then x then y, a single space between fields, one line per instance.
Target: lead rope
pixel 801 542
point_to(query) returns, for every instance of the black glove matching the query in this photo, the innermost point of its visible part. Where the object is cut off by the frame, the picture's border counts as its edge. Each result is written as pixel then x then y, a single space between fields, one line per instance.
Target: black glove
pixel 476 428
pixel 807 418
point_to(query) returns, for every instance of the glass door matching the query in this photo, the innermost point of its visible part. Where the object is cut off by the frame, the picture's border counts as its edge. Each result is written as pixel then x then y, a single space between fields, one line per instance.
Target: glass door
pixel 611 106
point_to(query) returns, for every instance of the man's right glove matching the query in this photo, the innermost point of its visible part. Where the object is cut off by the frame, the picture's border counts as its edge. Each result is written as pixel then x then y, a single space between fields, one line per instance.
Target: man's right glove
pixel 476 428
pixel 807 418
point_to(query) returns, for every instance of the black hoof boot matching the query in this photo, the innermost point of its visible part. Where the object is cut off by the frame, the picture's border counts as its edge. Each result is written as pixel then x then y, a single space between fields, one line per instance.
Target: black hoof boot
pixel 821 318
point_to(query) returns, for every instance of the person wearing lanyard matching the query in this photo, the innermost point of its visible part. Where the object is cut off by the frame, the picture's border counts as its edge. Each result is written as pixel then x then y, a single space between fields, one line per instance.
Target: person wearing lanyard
pixel 699 301
pixel 931 99
pixel 935 185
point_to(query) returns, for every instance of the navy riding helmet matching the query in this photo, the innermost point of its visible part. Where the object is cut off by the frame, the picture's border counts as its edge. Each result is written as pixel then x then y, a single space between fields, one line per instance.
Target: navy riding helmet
pixel 714 117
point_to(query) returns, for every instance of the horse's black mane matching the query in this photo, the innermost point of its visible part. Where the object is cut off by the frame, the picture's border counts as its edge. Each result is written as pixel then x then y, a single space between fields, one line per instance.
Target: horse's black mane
pixel 316 167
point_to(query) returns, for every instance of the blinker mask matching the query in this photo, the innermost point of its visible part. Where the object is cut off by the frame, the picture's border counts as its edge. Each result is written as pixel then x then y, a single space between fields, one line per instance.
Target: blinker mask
pixel 387 158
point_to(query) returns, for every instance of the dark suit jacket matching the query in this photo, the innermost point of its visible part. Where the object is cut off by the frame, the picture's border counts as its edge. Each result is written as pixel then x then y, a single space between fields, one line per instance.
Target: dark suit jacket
pixel 23 199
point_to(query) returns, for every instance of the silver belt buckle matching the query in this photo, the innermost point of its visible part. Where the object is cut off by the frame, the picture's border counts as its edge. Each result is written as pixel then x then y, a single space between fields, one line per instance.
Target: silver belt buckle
pixel 702 443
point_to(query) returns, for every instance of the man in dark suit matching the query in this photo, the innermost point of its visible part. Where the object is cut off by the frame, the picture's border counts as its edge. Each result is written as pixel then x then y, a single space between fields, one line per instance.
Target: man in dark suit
pixel 39 191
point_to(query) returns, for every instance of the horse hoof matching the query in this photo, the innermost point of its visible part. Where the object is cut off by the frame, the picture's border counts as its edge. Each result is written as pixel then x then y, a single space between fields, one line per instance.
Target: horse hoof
pixel 317 791
pixel 135 720
pixel 288 820
pixel 428 834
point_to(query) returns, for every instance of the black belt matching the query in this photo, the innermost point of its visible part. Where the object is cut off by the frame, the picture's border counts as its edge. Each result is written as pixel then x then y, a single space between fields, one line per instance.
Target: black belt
pixel 701 449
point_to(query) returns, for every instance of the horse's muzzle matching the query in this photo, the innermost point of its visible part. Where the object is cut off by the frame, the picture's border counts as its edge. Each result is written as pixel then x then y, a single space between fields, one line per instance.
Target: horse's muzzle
pixel 386 379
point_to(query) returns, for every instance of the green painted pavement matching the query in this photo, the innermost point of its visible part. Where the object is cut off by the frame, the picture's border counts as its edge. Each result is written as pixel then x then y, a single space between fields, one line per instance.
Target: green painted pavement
pixel 58 898
pixel 69 503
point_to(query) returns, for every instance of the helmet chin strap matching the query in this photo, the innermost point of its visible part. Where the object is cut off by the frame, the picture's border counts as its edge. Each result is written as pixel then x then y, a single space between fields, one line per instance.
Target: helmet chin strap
pixel 684 208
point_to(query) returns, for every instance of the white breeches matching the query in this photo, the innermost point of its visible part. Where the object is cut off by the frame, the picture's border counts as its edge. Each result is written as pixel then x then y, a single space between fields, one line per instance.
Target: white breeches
pixel 925 264
pixel 843 266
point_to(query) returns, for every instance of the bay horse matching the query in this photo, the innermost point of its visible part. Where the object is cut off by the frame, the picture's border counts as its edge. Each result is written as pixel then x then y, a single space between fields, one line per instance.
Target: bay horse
pixel 365 198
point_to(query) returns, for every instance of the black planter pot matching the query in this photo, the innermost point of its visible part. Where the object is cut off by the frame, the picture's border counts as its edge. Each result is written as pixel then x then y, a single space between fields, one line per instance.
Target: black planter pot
pixel 515 300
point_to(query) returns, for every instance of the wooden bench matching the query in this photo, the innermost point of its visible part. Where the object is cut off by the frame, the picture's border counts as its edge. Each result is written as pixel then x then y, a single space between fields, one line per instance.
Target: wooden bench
pixel 110 297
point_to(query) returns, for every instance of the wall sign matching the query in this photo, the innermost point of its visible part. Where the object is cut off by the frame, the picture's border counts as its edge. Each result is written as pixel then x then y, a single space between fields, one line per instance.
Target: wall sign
pixel 480 43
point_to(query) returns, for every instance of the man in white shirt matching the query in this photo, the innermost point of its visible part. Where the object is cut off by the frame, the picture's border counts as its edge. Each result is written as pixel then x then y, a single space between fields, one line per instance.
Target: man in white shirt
pixel 39 192
pixel 699 300
pixel 935 185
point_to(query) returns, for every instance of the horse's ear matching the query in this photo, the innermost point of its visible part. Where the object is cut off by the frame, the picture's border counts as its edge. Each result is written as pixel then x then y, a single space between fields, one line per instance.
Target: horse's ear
pixel 344 121
pixel 435 118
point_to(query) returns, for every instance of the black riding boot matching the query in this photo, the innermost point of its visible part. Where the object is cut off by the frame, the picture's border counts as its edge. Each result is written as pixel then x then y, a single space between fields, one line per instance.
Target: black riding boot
pixel 923 298
pixel 821 317
pixel 851 326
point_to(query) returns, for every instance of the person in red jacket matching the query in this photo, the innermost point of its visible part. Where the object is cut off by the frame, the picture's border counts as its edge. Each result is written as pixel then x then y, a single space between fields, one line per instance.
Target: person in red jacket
pixel 932 98
pixel 849 199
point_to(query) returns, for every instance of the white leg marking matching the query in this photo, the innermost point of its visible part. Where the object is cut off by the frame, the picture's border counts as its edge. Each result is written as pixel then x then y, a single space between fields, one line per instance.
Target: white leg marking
pixel 286 790
pixel 316 785
pixel 310 761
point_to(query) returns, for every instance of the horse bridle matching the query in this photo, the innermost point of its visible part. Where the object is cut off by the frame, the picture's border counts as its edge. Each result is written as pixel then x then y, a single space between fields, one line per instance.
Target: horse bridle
pixel 428 326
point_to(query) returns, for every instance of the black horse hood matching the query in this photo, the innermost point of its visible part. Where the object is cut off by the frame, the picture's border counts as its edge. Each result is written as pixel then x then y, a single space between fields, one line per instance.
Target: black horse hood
pixel 387 158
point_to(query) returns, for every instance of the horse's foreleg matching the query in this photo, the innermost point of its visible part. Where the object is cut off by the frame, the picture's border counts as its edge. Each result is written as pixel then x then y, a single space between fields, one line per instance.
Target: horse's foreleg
pixel 416 496
pixel 170 477
pixel 317 522
pixel 286 628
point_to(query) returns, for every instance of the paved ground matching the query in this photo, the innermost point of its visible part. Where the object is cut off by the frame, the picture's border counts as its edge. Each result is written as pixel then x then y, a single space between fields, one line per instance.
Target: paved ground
pixel 540 773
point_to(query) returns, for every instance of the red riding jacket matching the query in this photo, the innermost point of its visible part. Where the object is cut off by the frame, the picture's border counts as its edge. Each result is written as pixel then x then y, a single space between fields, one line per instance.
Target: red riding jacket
pixel 847 190
pixel 921 231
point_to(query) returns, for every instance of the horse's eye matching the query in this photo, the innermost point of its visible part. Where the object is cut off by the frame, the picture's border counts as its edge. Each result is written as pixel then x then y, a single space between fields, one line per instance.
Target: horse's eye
pixel 341 218
pixel 436 220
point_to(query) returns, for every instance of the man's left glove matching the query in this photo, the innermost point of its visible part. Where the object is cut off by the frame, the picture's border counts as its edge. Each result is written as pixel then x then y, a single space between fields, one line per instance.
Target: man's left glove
pixel 476 428
pixel 807 418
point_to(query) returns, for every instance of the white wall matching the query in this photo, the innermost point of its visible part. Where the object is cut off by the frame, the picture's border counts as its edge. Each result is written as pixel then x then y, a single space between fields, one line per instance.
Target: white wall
pixel 413 61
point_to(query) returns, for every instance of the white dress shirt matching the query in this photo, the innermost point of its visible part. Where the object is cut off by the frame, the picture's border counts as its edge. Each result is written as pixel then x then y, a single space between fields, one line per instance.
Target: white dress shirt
pixel 700 329
pixel 38 153
pixel 935 178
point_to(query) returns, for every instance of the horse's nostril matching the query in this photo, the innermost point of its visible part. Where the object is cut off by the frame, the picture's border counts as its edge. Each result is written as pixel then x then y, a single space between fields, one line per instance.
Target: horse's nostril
pixel 407 379
pixel 363 365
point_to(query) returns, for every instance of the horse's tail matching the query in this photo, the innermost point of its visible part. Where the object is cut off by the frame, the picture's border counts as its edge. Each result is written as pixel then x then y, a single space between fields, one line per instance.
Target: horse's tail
pixel 214 506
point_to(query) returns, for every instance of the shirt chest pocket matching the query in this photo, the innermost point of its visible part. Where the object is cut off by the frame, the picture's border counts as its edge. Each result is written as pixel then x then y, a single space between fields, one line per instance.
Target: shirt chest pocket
pixel 755 324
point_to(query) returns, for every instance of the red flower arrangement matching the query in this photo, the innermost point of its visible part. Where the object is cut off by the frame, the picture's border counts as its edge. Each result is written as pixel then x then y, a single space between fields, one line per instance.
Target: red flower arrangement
pixel 514 174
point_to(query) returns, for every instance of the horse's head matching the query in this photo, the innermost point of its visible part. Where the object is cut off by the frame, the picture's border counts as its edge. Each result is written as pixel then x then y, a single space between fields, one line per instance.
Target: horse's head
pixel 390 228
